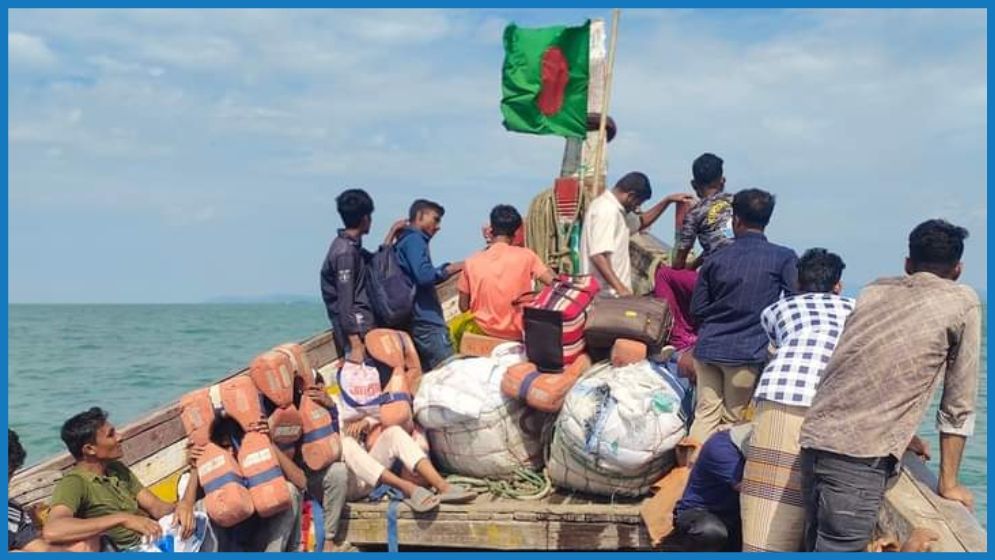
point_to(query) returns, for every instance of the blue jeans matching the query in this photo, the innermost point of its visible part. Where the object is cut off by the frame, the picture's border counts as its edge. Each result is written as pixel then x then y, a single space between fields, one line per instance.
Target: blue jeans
pixel 433 344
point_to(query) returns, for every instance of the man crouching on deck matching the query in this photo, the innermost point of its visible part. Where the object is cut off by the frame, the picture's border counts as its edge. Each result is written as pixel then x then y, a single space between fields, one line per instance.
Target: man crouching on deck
pixel 99 495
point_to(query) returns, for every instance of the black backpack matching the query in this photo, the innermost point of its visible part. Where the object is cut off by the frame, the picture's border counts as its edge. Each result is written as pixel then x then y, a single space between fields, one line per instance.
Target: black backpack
pixel 392 292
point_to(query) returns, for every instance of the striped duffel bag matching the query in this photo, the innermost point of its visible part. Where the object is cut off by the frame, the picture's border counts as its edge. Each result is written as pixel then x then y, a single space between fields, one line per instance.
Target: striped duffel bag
pixel 554 321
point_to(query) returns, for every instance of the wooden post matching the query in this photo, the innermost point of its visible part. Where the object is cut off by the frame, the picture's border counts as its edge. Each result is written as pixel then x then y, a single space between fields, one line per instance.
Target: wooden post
pixel 599 159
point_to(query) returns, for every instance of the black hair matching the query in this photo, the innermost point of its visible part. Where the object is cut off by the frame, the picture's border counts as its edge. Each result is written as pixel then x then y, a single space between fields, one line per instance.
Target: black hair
pixel 936 246
pixel 505 220
pixel 706 169
pixel 225 431
pixel 594 124
pixel 819 270
pixel 422 205
pixel 15 452
pixel 82 429
pixel 754 207
pixel 354 205
pixel 636 183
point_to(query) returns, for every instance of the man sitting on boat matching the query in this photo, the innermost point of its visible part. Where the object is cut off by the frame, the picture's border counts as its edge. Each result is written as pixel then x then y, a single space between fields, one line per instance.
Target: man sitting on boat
pixel 494 278
pixel 609 222
pixel 279 533
pixel 707 516
pixel 905 335
pixel 100 495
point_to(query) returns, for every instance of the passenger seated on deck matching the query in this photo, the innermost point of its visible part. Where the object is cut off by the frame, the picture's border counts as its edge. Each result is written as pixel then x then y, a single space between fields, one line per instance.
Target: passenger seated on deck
pixel 368 469
pixel 100 495
pixel 494 278
pixel 279 533
pixel 707 516
pixel 22 533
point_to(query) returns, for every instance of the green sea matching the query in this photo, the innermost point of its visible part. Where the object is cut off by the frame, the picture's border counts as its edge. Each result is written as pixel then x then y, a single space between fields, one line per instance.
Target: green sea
pixel 131 359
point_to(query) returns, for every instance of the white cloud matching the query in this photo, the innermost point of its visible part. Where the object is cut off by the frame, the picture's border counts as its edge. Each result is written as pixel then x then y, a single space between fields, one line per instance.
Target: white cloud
pixel 24 50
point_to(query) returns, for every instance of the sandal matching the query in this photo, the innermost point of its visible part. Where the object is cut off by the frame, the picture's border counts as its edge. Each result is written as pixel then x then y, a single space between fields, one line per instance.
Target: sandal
pixel 422 500
pixel 457 494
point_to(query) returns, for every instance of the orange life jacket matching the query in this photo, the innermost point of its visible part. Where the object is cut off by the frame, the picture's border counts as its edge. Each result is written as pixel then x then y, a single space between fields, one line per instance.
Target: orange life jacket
pixel 273 374
pixel 542 391
pixel 319 446
pixel 233 490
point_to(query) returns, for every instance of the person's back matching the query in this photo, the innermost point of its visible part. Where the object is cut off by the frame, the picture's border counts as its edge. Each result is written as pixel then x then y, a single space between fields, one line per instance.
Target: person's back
pixel 344 274
pixel 905 337
pixel 736 284
pixel 903 329
pixel 709 221
pixel 493 279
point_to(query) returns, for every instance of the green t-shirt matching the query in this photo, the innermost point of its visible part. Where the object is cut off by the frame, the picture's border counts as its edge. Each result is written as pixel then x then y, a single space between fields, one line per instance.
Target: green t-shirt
pixel 90 495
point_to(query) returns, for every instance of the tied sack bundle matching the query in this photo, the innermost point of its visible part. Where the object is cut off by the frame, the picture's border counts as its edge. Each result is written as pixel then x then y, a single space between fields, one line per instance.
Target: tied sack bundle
pixel 617 431
pixel 473 429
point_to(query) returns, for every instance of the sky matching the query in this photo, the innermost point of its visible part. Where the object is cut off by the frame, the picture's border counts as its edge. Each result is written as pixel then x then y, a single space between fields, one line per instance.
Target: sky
pixel 177 156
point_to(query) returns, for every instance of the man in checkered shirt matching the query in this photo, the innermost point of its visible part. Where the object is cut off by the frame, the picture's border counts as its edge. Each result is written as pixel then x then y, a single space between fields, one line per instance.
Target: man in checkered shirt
pixel 803 330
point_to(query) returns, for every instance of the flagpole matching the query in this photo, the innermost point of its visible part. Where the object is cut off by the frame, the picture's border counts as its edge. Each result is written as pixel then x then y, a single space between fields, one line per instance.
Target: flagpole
pixel 599 185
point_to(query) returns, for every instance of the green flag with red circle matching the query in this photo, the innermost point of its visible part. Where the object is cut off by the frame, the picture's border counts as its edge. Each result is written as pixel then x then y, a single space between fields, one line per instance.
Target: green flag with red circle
pixel 545 77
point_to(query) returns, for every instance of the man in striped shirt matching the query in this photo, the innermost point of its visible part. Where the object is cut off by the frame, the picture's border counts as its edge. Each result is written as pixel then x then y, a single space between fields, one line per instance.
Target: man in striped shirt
pixel 803 330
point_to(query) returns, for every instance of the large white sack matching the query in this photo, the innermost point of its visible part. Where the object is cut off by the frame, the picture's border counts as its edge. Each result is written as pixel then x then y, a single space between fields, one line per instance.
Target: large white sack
pixel 472 428
pixel 617 430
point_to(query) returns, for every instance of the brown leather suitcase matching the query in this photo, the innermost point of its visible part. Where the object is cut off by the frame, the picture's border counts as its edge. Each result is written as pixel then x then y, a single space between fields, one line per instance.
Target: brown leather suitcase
pixel 641 318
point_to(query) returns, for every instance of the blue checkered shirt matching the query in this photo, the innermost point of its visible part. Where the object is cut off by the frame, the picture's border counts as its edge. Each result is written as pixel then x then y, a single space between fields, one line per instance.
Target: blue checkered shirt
pixel 805 329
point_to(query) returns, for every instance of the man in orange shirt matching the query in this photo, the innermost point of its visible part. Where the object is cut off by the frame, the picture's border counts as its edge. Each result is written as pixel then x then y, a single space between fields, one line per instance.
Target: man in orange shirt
pixel 494 278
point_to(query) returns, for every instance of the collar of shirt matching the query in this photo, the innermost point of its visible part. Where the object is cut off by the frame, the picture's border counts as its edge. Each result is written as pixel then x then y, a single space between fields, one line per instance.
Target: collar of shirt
pixel 110 471
pixel 617 204
pixel 751 235
pixel 411 230
pixel 352 240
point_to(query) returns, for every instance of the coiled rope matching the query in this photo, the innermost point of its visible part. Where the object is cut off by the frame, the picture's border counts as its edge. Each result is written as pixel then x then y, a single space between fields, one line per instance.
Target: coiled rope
pixel 546 236
pixel 526 485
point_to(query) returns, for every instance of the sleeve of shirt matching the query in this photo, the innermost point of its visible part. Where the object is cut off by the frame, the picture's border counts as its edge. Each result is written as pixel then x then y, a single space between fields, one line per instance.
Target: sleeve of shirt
pixel 538 267
pixel 415 252
pixel 345 269
pixel 960 385
pixel 686 237
pixel 68 492
pixel 599 231
pixel 789 275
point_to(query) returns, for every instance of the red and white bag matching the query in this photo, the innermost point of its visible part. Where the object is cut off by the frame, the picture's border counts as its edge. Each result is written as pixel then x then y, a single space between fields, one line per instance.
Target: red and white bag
pixel 554 322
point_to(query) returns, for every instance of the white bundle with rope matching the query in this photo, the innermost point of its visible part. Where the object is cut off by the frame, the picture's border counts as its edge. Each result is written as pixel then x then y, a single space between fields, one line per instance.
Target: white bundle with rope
pixel 617 430
pixel 474 430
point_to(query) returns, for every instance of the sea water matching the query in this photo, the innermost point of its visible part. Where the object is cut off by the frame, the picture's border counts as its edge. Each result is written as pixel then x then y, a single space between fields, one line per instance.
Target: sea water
pixel 132 359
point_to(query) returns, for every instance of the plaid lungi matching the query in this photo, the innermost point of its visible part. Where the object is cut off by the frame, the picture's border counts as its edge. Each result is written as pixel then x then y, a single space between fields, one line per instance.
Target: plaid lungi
pixel 771 500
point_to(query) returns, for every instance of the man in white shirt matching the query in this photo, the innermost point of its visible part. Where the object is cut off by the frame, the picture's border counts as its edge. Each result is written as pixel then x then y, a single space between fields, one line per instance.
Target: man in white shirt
pixel 609 222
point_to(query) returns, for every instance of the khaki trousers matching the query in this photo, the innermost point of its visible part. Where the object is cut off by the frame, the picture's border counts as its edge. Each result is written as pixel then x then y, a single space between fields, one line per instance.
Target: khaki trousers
pixel 366 467
pixel 723 393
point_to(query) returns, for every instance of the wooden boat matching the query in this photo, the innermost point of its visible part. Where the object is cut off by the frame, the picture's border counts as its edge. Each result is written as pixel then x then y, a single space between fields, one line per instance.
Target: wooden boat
pixel 154 447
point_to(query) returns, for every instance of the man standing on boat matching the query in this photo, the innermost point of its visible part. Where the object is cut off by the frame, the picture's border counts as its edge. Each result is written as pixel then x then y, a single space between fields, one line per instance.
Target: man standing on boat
pixel 428 326
pixel 803 331
pixel 732 289
pixel 610 221
pixel 344 275
pixel 905 336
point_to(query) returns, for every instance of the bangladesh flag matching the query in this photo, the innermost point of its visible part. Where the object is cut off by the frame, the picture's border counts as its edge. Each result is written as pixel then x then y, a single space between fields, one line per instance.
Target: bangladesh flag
pixel 544 84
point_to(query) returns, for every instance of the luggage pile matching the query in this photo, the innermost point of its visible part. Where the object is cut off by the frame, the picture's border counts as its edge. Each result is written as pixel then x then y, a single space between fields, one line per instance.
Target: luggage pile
pixel 609 428
pixel 472 428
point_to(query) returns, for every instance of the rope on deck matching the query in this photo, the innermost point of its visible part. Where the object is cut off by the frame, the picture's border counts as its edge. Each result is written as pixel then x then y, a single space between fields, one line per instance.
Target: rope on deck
pixel 526 485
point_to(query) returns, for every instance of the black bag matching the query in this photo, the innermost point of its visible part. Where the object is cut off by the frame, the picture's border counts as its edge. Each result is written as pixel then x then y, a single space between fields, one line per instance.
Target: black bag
pixel 544 338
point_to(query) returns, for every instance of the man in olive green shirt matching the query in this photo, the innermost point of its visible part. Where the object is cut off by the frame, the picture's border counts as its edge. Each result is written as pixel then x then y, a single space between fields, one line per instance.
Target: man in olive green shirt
pixel 100 495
